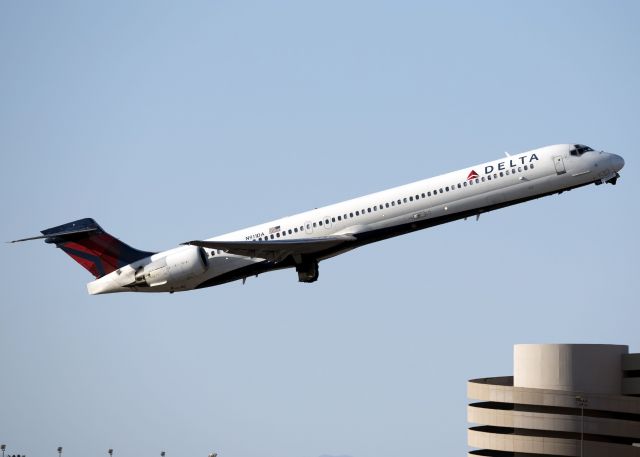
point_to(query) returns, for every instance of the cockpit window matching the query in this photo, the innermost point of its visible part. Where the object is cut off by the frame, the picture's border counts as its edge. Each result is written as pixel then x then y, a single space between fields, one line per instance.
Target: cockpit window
pixel 579 149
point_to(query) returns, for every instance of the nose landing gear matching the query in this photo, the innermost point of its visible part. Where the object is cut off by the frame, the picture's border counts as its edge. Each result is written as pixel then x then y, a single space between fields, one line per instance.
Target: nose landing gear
pixel 613 180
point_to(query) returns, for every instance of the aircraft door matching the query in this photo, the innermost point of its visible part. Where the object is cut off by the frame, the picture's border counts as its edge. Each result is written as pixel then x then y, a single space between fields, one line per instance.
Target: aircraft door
pixel 559 164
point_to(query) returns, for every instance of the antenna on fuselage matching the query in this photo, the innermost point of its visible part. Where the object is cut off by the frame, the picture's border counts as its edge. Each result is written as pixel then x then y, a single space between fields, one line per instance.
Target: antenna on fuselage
pixel 507 154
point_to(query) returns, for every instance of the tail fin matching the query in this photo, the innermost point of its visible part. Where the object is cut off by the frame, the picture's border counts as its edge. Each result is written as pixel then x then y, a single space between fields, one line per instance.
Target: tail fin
pixel 93 248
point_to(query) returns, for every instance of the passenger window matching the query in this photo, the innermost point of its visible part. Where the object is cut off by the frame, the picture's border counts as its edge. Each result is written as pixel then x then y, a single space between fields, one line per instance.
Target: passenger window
pixel 290 232
pixel 295 229
pixel 309 226
pixel 483 179
pixel 393 203
pixel 404 199
pixel 506 172
pixel 489 177
pixel 428 194
pixel 447 188
pixel 501 174
pixel 531 166
pixel 339 218
pixel 357 213
pixel 417 197
pixel 272 236
pixel 326 221
pixel 423 195
pixel 459 186
pixel 519 169
pixel 464 184
pixel 386 205
pixel 368 210
pixel 399 202
pixel 477 181
pixel 333 219
pixel 495 176
pixel 314 224
pixel 411 198
pixel 320 223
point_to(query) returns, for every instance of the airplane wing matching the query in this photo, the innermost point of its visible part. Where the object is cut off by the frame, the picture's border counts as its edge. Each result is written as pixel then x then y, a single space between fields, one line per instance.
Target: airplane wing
pixel 275 250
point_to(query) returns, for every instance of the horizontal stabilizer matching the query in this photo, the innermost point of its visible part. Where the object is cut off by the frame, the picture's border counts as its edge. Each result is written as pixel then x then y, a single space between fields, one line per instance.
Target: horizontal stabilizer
pixel 276 250
pixel 69 232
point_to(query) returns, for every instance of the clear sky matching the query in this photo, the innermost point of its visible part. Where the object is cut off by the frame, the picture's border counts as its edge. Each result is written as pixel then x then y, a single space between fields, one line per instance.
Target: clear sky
pixel 172 121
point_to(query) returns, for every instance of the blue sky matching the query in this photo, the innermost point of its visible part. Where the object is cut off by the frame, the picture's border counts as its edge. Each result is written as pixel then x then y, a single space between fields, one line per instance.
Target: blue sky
pixel 175 121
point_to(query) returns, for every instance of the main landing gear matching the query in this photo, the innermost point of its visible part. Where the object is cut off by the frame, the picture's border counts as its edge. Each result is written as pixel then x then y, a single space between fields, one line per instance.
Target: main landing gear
pixel 308 271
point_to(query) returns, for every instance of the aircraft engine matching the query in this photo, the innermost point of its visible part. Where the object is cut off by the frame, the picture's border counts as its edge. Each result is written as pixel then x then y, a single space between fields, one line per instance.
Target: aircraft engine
pixel 174 269
pixel 186 263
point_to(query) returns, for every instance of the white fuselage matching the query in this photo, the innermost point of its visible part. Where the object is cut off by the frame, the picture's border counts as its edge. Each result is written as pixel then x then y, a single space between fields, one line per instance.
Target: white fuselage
pixel 380 215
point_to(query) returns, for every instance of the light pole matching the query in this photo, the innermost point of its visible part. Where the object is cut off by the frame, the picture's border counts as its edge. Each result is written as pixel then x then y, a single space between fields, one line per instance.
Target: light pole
pixel 582 402
pixel 110 451
pixel 213 454
pixel 60 451
pixel 2 448
pixel 162 454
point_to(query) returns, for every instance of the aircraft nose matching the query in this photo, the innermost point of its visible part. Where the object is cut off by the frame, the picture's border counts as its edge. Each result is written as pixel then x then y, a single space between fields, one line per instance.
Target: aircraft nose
pixel 617 162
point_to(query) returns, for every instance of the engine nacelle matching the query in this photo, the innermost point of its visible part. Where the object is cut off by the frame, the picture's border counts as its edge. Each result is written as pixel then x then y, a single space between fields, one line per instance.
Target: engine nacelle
pixel 186 264
pixel 174 269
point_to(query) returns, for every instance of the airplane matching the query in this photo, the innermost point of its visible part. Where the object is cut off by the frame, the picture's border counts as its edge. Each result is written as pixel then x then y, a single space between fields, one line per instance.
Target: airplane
pixel 303 240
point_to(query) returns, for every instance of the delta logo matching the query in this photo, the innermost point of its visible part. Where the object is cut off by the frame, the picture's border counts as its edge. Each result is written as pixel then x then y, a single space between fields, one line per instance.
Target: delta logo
pixel 472 175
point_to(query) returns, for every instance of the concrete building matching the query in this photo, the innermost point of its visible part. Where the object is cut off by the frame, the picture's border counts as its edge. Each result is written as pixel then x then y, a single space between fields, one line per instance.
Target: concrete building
pixel 563 400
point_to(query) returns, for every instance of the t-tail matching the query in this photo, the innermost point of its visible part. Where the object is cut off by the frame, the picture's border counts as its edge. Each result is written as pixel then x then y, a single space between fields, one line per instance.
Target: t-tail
pixel 89 245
